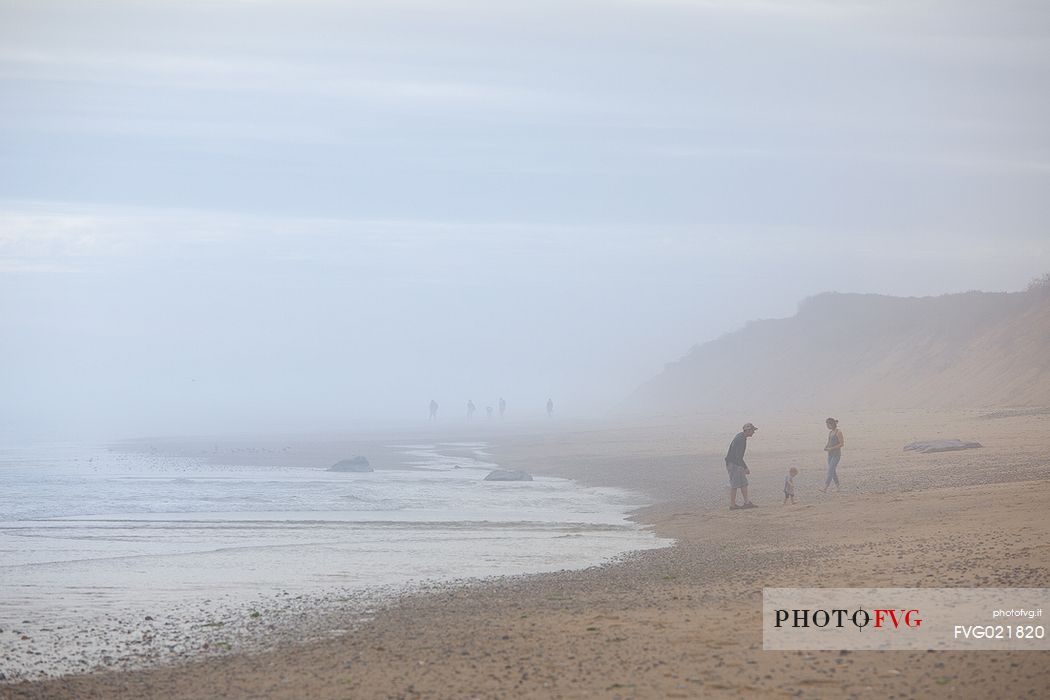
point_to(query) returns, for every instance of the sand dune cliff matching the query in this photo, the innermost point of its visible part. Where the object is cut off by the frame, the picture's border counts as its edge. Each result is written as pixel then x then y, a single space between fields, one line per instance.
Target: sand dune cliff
pixel 975 349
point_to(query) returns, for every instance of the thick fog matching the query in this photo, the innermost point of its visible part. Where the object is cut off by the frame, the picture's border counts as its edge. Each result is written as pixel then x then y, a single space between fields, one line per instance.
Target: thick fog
pixel 251 216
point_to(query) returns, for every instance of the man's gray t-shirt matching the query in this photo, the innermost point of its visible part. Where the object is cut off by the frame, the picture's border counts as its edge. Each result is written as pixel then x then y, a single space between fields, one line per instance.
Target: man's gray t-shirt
pixel 736 450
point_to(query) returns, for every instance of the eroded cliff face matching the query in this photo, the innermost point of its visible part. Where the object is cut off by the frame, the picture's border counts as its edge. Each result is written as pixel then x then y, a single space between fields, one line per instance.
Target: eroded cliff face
pixel 966 350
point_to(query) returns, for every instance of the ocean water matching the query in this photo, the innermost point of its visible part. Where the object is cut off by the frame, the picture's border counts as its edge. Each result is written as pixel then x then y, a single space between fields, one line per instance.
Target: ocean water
pixel 89 536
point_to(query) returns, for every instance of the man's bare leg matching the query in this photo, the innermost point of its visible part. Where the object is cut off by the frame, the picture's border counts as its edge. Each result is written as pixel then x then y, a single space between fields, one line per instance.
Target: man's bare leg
pixel 732 496
pixel 743 492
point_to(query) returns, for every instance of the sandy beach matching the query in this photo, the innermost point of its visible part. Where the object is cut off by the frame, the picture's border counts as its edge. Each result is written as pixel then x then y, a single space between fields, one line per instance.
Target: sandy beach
pixel 685 621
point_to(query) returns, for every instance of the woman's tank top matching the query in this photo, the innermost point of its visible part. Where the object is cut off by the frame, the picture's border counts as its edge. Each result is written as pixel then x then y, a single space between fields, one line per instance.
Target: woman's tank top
pixel 833 441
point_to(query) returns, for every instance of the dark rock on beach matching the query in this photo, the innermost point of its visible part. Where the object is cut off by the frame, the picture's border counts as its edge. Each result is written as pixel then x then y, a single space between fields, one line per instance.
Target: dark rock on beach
pixel 508 475
pixel 928 446
pixel 357 464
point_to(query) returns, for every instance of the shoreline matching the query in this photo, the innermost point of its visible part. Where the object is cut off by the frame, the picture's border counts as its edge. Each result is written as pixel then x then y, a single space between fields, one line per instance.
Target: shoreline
pixel 655 623
pixel 126 609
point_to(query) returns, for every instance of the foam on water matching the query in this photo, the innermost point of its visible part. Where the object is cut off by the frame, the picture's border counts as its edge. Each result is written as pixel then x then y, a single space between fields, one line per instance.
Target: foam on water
pixel 86 534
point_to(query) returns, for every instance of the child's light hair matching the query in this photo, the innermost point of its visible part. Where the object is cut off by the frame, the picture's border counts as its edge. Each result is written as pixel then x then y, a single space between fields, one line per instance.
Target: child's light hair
pixel 793 471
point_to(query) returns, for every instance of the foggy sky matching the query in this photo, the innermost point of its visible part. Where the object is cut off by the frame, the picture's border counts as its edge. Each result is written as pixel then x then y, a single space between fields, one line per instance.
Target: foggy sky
pixel 222 215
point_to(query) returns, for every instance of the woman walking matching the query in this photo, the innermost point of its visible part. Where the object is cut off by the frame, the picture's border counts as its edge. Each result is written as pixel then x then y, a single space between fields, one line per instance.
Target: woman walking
pixel 834 450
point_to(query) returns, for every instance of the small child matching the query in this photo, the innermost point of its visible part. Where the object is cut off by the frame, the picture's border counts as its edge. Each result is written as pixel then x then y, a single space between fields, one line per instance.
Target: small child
pixel 789 486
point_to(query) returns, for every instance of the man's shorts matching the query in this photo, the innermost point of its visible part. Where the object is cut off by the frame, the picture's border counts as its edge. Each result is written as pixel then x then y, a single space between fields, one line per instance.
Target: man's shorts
pixel 737 478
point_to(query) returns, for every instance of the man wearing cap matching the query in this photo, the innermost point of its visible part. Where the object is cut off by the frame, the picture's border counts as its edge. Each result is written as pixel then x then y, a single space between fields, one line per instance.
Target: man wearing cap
pixel 737 467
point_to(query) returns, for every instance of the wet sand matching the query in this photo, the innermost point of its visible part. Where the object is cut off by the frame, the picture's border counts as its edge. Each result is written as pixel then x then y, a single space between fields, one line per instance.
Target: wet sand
pixel 685 621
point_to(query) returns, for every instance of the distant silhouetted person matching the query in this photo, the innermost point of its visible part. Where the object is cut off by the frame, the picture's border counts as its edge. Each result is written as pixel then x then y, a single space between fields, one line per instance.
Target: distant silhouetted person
pixel 433 409
pixel 550 407
pixel 502 407
pixel 488 411
pixel 470 409
pixel 789 486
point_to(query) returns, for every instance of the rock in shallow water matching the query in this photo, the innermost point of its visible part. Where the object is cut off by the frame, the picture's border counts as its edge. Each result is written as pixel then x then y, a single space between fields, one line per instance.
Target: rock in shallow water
pixel 357 464
pixel 508 475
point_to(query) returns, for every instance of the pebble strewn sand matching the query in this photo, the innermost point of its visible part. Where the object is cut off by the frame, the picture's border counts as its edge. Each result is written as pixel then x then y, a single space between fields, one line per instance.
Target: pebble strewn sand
pixel 685 621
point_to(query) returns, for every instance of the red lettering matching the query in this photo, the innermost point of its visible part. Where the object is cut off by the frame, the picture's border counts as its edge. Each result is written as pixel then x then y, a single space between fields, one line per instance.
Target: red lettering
pixel 896 617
